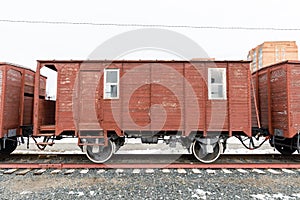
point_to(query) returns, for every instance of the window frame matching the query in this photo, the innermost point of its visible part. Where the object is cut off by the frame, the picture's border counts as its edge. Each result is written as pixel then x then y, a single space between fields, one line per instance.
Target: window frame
pixel 224 84
pixel 105 84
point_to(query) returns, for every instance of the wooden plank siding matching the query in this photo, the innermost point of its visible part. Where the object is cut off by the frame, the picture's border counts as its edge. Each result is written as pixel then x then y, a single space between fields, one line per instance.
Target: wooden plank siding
pixel 153 96
pixel 279 98
pixel 16 97
pixel 2 75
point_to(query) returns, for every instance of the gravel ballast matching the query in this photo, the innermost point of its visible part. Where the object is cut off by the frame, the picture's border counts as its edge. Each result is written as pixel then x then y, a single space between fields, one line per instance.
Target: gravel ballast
pixel 109 184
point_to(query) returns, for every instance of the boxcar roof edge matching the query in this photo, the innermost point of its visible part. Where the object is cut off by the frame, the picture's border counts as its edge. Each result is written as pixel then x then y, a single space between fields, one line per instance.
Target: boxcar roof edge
pixel 141 61
pixel 279 63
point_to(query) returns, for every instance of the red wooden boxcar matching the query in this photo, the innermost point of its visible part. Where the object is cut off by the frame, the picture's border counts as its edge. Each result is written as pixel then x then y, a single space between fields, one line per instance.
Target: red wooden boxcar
pixel 101 102
pixel 278 102
pixel 16 102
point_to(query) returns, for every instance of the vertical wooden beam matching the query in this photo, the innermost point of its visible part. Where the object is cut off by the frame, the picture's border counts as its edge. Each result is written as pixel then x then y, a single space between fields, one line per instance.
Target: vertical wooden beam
pixel 184 117
pixel 36 99
pixel 270 124
pixel 4 97
pixel 249 100
pixel 150 92
pixel 205 96
pixel 256 99
pixel 2 100
pixel 288 100
pixel 228 97
pixel 121 99
pixel 257 92
pixel 22 96
pixel 58 129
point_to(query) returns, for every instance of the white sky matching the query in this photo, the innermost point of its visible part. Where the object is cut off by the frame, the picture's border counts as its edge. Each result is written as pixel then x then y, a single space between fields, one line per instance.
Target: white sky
pixel 23 43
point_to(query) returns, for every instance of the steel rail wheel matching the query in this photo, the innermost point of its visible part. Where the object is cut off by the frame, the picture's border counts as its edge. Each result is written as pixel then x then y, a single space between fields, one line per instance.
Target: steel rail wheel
pixel 8 145
pixel 286 146
pixel 198 151
pixel 284 150
pixel 100 154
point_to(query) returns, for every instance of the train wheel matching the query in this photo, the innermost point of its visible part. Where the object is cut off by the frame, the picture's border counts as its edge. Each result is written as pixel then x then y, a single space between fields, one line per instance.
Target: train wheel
pixel 202 156
pixel 100 154
pixel 284 150
pixel 284 147
pixel 8 146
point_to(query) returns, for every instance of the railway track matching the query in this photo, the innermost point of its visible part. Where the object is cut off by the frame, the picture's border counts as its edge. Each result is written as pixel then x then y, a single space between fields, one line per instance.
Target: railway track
pixel 64 176
pixel 66 161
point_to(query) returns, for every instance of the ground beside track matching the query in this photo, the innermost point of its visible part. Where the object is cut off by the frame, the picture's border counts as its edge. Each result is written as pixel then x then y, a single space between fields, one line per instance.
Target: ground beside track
pixel 152 184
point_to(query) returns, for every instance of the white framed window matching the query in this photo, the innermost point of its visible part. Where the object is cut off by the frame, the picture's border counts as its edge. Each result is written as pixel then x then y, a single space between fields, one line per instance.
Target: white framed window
pixel 217 83
pixel 111 83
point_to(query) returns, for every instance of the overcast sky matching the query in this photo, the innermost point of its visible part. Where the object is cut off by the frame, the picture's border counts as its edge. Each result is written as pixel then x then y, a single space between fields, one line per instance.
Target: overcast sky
pixel 24 43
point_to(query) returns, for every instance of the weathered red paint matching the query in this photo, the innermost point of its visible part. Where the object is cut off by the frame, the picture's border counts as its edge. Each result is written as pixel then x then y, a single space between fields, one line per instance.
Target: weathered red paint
pixel 277 93
pixel 150 91
pixel 16 97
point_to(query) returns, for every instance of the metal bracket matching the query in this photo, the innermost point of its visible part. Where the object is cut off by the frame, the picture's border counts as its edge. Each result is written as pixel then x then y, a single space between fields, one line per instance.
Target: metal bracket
pixel 208 144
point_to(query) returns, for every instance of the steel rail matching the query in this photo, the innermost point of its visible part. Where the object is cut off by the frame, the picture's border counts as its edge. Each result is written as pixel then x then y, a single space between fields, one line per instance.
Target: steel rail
pixel 154 166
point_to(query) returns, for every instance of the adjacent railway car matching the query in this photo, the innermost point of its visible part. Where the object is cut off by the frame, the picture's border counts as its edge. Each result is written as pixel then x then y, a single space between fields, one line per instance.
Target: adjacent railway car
pixel 199 104
pixel 16 103
pixel 278 104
